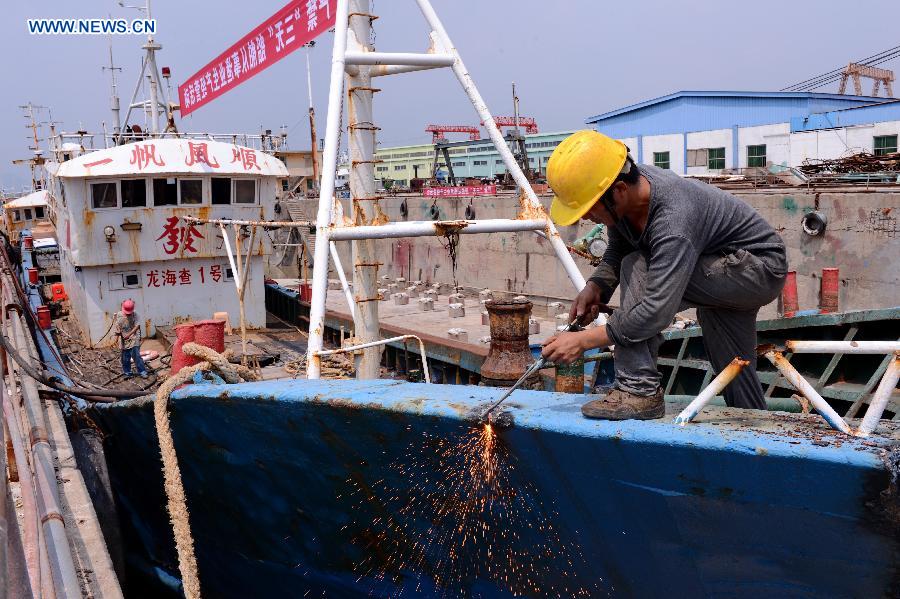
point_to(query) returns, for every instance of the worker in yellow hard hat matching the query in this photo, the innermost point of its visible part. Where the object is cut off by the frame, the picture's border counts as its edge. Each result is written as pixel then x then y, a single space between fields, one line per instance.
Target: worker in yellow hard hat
pixel 674 243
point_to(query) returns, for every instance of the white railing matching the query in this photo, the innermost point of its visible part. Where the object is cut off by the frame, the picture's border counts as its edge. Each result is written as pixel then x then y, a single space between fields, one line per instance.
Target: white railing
pixel 353 58
pixel 877 404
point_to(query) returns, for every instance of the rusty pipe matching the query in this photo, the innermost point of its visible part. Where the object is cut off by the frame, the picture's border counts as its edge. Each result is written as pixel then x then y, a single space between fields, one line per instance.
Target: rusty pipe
pixel 802 385
pixel 721 381
pixel 881 397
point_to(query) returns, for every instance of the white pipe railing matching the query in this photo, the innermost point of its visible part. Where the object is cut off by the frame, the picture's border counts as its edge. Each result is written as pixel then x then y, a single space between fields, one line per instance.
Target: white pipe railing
pixel 802 385
pixel 430 228
pixel 349 57
pixel 445 44
pixel 712 389
pixel 881 397
pixel 351 348
pixel 399 59
pixel 842 347
pixel 339 267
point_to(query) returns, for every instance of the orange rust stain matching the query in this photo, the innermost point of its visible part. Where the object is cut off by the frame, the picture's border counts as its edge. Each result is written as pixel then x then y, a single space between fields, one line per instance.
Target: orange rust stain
pixel 527 211
pixel 380 217
pixel 135 246
pixel 88 217
pixel 736 366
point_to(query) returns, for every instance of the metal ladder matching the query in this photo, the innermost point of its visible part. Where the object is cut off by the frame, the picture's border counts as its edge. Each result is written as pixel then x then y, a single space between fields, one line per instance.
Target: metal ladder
pixel 353 58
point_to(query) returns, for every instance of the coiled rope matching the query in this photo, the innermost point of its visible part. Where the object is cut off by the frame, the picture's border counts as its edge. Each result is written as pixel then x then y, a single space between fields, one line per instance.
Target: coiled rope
pixel 176 500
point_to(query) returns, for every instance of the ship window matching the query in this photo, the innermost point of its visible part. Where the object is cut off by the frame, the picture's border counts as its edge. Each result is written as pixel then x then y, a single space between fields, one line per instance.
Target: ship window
pixel 39 212
pixel 221 190
pixel 244 191
pixel 103 195
pixel 28 214
pixel 125 279
pixel 17 215
pixel 165 192
pixel 191 191
pixel 134 193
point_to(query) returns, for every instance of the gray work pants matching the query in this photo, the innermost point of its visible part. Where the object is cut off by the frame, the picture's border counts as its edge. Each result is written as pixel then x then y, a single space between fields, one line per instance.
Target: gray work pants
pixel 727 291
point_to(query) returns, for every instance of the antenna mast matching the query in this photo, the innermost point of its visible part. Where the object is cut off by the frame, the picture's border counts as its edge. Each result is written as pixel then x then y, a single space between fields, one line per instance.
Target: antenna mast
pixel 148 67
pixel 114 92
pixel 37 160
pixel 312 122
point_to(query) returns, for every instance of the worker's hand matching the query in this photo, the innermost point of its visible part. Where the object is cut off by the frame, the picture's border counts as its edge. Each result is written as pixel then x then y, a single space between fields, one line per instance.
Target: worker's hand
pixel 565 348
pixel 588 305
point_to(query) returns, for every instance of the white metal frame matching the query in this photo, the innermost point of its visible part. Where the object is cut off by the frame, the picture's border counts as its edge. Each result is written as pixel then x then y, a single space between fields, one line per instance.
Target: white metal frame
pixel 353 58
pixel 353 348
pixel 879 401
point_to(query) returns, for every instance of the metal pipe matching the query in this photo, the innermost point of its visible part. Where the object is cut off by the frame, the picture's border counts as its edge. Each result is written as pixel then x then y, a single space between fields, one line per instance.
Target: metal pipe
pixel 384 70
pixel 712 389
pixel 842 347
pixel 881 397
pixel 228 250
pixel 351 348
pixel 399 58
pixel 351 303
pixel 259 223
pixel 802 385
pixel 31 538
pixel 424 228
pixel 465 79
pixel 62 567
pixel 326 192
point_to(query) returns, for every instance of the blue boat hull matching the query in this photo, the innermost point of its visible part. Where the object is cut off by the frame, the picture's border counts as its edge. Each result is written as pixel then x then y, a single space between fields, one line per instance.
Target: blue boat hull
pixel 342 488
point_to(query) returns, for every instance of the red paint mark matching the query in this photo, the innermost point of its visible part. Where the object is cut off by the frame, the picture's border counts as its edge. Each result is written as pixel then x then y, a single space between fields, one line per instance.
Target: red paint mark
pixel 99 162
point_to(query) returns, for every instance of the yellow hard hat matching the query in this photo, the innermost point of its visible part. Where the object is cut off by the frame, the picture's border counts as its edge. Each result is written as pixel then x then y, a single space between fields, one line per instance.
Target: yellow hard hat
pixel 582 167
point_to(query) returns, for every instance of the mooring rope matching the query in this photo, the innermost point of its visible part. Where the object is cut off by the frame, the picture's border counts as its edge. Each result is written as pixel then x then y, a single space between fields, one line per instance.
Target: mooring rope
pixel 175 495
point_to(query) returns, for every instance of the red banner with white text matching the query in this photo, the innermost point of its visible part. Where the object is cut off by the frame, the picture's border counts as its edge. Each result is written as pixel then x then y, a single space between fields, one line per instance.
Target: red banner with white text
pixel 288 29
pixel 456 192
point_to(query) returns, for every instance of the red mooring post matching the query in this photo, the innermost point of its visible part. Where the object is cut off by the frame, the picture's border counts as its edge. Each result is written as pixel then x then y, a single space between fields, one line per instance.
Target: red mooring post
pixel 828 292
pixel 184 333
pixel 789 303
pixel 210 333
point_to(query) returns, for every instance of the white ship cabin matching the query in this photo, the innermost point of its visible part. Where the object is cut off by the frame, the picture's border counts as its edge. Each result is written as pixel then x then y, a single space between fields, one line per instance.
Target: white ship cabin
pixel 118 219
pixel 27 212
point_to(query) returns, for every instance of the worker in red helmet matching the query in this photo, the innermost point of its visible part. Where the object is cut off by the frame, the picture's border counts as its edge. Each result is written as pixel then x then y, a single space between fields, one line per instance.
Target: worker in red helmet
pixel 128 329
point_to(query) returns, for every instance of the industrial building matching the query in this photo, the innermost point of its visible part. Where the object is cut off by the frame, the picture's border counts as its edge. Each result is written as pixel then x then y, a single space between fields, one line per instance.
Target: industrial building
pixel 701 133
pixel 478 159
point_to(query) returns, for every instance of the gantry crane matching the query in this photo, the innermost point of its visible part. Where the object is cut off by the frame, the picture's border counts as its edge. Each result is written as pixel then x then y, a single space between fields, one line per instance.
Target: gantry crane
pixel 437 131
pixel 878 76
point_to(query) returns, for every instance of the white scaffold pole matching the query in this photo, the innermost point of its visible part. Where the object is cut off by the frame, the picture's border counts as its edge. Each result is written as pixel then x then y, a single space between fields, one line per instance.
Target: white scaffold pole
pixel 326 193
pixel 465 79
pixel 361 143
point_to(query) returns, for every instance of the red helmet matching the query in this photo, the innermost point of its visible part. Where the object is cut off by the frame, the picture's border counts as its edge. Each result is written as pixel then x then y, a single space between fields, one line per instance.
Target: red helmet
pixel 128 306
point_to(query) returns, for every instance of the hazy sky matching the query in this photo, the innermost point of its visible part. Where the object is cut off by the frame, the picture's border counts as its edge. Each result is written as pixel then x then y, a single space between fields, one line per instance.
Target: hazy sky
pixel 569 58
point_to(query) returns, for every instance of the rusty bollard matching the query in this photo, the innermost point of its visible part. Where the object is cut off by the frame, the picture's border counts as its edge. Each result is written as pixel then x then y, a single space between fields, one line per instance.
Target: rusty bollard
pixel 509 356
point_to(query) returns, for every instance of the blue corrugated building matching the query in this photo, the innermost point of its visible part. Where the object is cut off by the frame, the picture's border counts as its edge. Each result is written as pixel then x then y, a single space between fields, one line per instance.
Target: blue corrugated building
pixel 696 132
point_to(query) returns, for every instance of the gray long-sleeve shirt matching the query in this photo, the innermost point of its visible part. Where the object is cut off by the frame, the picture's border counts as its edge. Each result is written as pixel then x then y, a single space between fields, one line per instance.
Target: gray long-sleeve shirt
pixel 687 219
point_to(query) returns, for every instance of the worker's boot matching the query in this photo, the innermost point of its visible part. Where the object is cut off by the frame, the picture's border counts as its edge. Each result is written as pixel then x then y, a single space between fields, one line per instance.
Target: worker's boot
pixel 622 405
